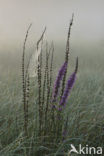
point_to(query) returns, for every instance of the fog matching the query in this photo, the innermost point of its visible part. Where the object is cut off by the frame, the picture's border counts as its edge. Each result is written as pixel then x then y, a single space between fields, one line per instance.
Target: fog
pixel 87 33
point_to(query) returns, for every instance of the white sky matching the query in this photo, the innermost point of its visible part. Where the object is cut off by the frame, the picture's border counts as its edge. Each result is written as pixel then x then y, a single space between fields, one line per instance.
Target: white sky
pixel 16 15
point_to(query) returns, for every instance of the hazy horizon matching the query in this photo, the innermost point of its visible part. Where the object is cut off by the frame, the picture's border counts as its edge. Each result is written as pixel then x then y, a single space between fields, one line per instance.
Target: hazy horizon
pixel 87 35
pixel 15 16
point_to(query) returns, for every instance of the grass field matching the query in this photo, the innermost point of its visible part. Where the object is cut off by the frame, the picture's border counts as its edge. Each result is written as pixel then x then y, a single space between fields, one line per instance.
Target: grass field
pixel 84 108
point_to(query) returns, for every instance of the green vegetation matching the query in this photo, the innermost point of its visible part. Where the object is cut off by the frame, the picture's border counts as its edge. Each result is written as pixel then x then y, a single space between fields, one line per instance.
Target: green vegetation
pixel 26 135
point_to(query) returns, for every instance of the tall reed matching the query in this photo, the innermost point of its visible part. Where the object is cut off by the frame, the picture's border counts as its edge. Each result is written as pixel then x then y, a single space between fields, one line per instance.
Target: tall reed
pixel 67 55
pixel 39 72
pixel 24 82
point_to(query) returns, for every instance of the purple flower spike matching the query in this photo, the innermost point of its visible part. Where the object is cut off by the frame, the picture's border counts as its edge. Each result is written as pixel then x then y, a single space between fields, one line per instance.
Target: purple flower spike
pixel 58 81
pixel 69 86
pixel 60 109
pixel 53 107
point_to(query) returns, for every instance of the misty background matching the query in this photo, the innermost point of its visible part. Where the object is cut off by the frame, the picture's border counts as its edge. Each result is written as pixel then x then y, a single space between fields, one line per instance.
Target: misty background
pixel 87 35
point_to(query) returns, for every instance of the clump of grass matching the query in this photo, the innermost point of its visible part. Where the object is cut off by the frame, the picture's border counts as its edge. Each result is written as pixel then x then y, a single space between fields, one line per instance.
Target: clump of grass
pixel 50 99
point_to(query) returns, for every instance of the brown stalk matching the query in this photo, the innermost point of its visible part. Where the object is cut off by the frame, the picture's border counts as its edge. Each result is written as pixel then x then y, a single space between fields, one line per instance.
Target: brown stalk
pixel 23 81
pixel 67 55
pixel 39 68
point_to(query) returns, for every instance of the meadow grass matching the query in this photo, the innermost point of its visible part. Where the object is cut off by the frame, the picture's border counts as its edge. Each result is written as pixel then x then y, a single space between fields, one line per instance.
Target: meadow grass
pixel 41 135
pixel 84 108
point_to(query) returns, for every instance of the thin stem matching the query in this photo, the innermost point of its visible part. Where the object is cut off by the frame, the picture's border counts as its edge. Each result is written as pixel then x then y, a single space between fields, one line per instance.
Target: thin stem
pixel 23 80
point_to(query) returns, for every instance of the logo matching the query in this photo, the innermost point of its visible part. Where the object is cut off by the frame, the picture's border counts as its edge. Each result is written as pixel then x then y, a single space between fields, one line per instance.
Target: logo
pixel 85 150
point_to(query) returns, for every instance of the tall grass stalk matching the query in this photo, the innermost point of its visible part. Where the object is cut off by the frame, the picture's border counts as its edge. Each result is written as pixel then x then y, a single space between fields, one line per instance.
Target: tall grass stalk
pixel 67 55
pixel 39 69
pixel 24 83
